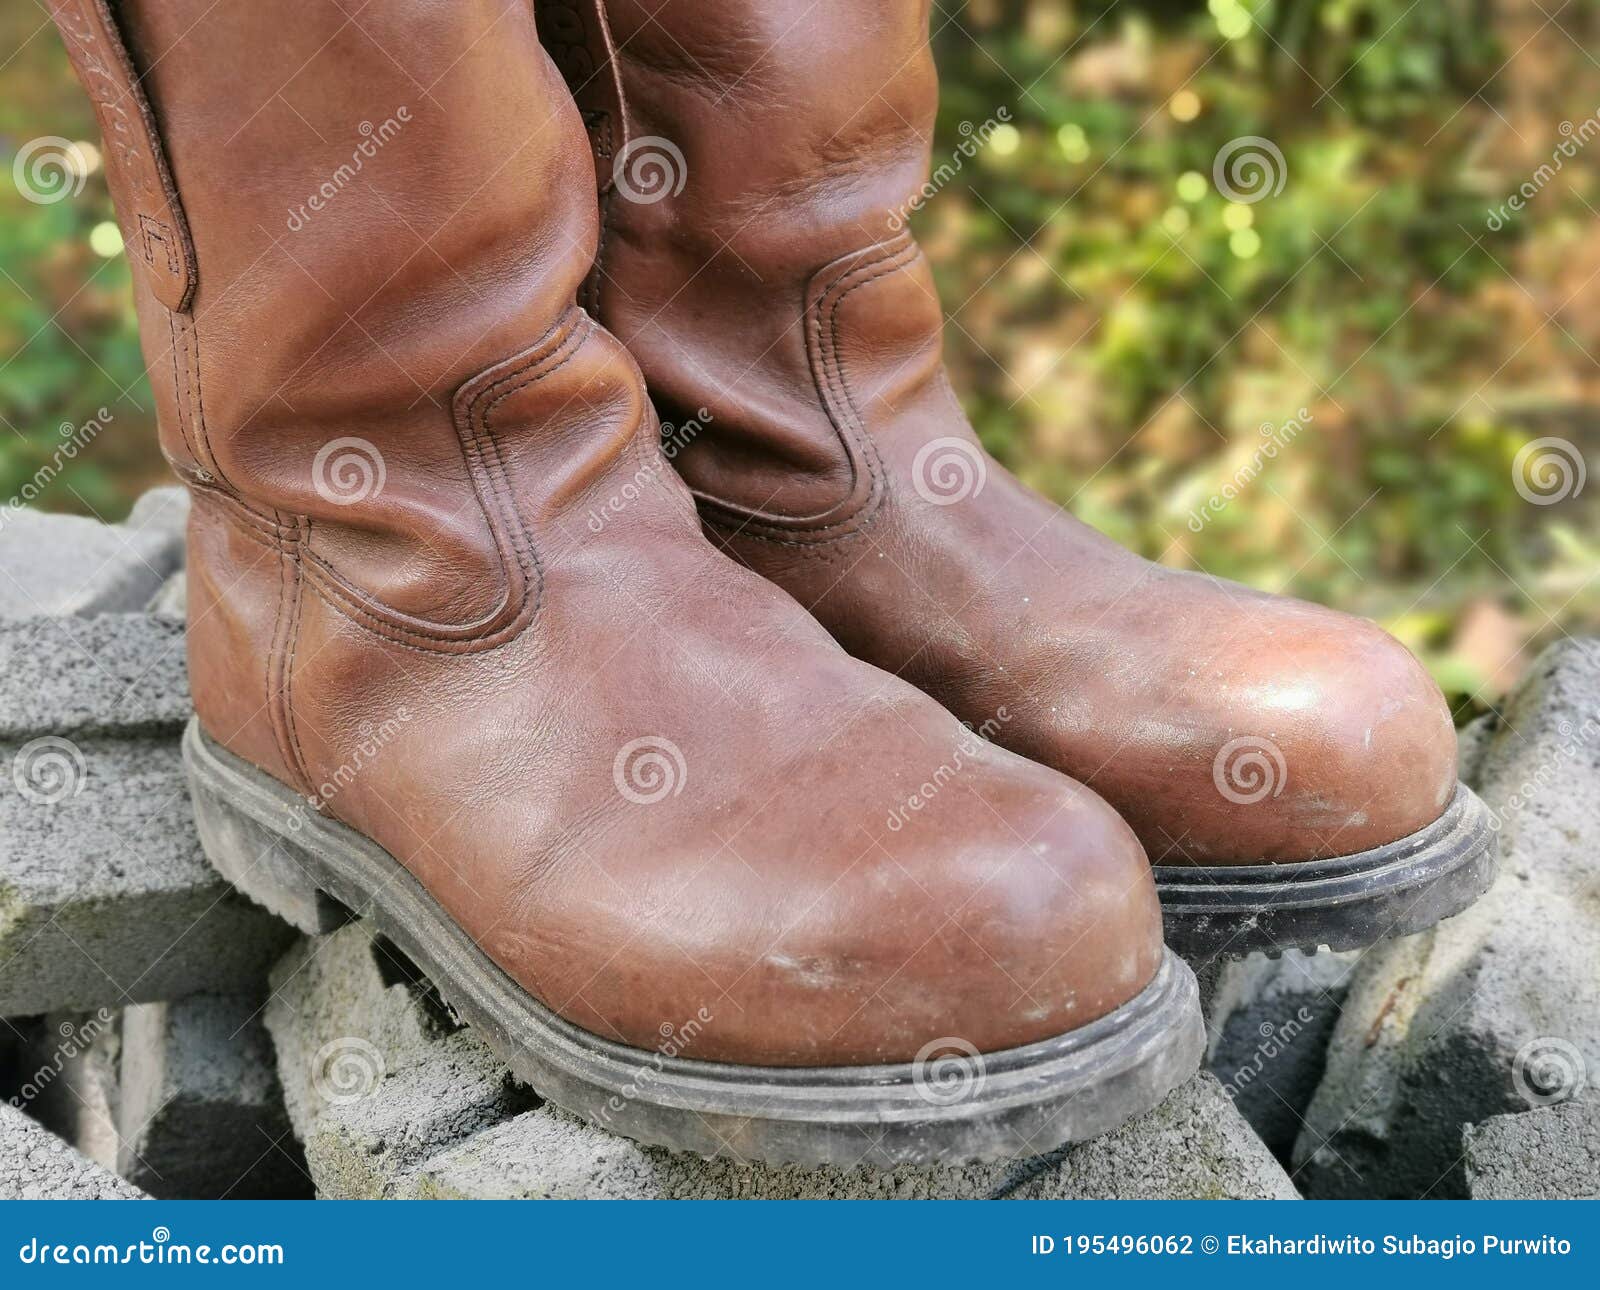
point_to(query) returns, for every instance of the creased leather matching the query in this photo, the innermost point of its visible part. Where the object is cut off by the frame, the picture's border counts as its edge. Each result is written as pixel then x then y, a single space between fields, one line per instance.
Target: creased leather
pixel 465 663
pixel 836 434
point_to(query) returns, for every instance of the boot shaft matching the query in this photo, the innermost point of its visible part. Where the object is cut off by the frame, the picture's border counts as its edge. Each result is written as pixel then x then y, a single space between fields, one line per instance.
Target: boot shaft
pixel 754 255
pixel 338 224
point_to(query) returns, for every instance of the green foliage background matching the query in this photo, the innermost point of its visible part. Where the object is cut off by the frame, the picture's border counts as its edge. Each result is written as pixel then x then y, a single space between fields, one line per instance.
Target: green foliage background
pixel 1120 331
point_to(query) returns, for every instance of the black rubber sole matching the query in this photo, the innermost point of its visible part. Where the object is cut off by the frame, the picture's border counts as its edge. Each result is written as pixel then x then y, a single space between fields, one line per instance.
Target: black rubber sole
pixel 1227 911
pixel 953 1108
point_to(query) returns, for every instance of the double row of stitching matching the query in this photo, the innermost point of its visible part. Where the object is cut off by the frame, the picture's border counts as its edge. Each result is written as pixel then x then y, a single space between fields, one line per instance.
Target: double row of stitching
pixel 474 413
pixel 857 510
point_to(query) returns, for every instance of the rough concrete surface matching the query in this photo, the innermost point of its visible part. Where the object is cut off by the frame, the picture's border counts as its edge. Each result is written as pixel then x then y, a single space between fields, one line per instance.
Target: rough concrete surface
pixel 393 1099
pixel 1270 1021
pixel 37 1165
pixel 69 565
pixel 376 1074
pixel 1496 1009
pixel 105 896
pixel 200 1115
pixel 1549 1153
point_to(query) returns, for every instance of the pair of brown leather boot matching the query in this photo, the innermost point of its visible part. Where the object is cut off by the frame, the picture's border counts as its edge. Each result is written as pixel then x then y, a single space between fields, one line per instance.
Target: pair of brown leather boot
pixel 653 818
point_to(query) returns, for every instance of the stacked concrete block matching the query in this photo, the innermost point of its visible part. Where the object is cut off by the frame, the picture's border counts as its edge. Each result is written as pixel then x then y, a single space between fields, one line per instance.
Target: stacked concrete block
pixel 63 565
pixel 111 921
pixel 1270 1021
pixel 199 1112
pixel 1550 1153
pixel 393 1098
pixel 37 1165
pixel 105 896
pixel 1497 1010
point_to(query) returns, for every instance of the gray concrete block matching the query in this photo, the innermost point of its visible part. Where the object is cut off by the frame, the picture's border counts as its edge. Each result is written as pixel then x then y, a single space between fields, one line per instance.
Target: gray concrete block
pixel 1492 1011
pixel 1270 1023
pixel 376 1074
pixel 61 565
pixel 200 1115
pixel 1550 1153
pixel 393 1098
pixel 105 896
pixel 68 1079
pixel 37 1165
pixel 1194 1146
pixel 112 675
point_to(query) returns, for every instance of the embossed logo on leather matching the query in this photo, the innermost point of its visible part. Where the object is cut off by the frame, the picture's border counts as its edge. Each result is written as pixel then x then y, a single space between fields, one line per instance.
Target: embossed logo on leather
pixel 140 180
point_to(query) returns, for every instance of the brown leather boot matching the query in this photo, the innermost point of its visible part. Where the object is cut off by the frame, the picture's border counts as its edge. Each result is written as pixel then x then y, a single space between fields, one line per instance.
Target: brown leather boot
pixel 463 662
pixel 1292 771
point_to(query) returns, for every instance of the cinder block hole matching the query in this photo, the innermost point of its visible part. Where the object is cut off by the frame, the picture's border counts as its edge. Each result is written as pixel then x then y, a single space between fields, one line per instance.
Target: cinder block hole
pixel 394 968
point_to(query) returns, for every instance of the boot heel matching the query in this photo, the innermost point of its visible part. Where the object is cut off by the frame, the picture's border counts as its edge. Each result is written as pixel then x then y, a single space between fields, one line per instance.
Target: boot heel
pixel 259 861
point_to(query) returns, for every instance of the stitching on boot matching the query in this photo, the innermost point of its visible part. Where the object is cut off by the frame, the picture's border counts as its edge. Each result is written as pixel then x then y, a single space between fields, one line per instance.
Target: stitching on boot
pixel 833 389
pixel 474 409
pixel 299 765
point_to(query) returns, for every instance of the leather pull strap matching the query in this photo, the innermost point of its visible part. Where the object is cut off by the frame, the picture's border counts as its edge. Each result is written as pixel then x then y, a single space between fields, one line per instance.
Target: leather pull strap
pixel 152 217
pixel 578 39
